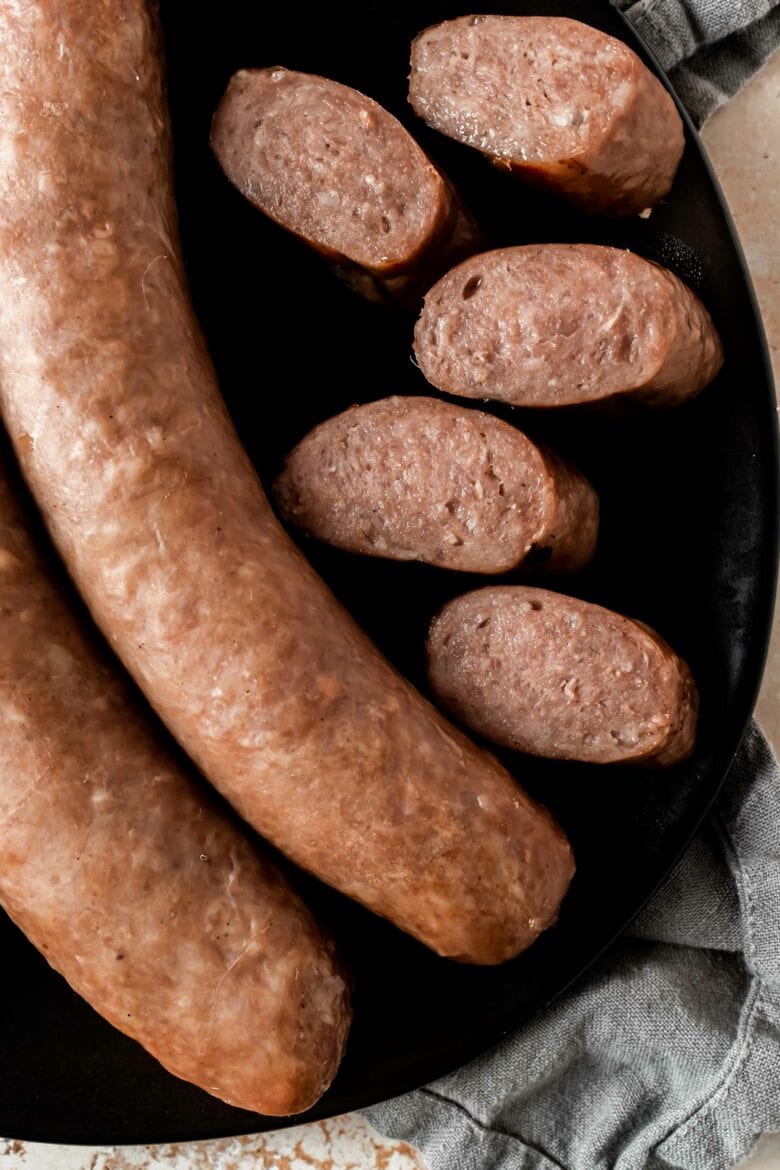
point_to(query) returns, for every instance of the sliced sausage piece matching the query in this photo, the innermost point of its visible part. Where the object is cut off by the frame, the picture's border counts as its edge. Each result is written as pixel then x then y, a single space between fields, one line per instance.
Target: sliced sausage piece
pixel 548 674
pixel 556 102
pixel 338 170
pixel 416 479
pixel 117 866
pixel 113 406
pixel 563 324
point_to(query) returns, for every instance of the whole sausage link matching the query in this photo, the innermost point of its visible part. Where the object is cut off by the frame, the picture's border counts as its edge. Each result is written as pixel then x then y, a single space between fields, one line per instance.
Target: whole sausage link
pixel 146 898
pixel 113 406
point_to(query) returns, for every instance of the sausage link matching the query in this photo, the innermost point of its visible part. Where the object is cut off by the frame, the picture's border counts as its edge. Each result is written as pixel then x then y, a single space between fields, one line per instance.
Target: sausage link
pixel 112 403
pixel 147 898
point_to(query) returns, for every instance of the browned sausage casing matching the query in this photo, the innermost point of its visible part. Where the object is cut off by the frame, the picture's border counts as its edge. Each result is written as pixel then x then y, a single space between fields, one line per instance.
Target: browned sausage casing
pixel 556 102
pixel 145 897
pixel 111 399
pixel 555 676
pixel 334 167
pixel 423 480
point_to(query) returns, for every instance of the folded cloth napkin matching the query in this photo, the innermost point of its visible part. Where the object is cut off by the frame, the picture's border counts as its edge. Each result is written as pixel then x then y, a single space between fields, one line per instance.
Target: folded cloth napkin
pixel 669 1054
pixel 709 48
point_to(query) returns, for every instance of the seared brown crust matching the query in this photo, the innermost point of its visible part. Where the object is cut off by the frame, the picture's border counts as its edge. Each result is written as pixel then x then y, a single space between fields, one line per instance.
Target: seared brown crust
pixel 554 101
pixel 554 676
pixel 340 172
pixel 116 866
pixel 419 479
pixel 111 400
pixel 563 324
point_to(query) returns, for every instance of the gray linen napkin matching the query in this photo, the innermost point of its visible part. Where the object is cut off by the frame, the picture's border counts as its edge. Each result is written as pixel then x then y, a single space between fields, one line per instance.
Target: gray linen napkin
pixel 669 1054
pixel 709 48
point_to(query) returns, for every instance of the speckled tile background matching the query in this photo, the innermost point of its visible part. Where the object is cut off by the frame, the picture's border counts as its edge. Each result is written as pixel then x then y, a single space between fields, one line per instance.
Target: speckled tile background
pixel 347 1143
pixel 744 143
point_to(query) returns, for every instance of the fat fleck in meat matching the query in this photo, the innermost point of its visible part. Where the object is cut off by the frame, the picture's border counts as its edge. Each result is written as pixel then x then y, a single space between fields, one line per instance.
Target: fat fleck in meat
pixel 118 867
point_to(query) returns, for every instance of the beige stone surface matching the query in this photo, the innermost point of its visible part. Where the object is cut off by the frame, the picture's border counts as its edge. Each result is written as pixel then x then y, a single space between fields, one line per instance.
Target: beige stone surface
pixel 766 1155
pixel 346 1143
pixel 743 139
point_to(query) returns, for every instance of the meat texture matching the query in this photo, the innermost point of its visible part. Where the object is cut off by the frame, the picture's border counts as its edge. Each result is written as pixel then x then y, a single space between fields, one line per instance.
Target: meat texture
pixel 112 403
pixel 117 866
pixel 564 324
pixel 547 674
pixel 554 101
pixel 418 479
pixel 339 171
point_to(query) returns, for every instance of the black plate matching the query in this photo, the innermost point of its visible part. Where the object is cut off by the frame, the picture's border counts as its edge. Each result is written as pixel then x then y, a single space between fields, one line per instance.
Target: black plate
pixel 689 545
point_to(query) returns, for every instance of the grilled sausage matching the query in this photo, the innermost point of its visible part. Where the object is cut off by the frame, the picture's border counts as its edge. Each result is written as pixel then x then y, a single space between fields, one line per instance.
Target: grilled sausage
pixel 113 406
pixel 419 479
pixel 143 895
pixel 336 169
pixel 556 102
pixel 554 676
pixel 563 324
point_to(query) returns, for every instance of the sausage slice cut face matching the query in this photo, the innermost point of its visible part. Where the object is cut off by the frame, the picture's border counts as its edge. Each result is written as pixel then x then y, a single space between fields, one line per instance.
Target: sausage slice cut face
pixel 556 102
pixel 554 676
pixel 565 324
pixel 424 480
pixel 335 168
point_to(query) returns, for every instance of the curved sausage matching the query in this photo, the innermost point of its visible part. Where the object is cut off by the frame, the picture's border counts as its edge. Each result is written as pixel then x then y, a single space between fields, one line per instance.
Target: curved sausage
pixel 564 324
pixel 554 101
pixel 336 169
pixel 419 479
pixel 113 406
pixel 548 674
pixel 142 894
